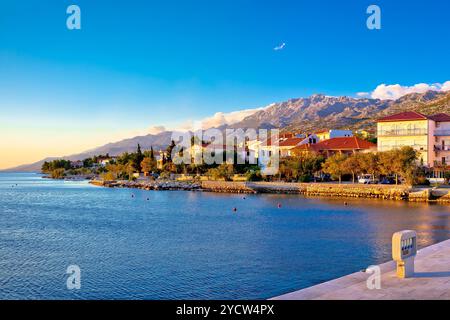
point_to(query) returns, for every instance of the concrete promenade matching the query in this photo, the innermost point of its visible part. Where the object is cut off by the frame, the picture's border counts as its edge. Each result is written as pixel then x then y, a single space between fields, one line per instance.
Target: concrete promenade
pixel 431 281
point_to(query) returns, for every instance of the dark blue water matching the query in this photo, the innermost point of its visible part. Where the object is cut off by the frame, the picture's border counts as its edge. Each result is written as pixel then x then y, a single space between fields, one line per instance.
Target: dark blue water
pixel 186 245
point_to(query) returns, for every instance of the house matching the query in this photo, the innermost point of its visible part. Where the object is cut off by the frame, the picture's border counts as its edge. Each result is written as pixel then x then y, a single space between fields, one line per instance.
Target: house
pixel 342 145
pixel 440 127
pixel 366 134
pixel 105 160
pixel 160 159
pixel 333 133
pixel 286 146
pixel 76 164
pixel 428 135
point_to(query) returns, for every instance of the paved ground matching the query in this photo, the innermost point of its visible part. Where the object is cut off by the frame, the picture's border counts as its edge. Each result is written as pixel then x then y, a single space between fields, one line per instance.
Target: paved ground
pixel 431 281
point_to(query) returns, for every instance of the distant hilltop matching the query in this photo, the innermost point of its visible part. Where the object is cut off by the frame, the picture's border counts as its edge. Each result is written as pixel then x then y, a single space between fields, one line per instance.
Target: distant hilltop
pixel 311 114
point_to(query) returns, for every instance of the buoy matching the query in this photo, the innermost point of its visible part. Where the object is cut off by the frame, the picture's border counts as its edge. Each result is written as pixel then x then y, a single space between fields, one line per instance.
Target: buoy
pixel 132 195
pixel 234 209
pixel 148 199
pixel 279 205
pixel 243 198
pixel 345 204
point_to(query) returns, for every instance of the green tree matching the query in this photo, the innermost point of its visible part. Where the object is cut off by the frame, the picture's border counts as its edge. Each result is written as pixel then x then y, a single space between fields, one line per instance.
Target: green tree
pixel 169 150
pixel 399 162
pixel 152 154
pixel 353 165
pixel 138 158
pixel 369 163
pixel 224 171
pixel 148 165
pixel 58 173
pixel 335 165
pixel 405 163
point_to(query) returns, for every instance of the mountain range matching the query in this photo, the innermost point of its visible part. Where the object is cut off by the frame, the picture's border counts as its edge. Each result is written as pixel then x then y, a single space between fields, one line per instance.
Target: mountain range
pixel 309 114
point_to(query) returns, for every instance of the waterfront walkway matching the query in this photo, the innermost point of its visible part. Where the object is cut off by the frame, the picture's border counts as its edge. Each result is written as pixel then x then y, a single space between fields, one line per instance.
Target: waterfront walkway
pixel 431 281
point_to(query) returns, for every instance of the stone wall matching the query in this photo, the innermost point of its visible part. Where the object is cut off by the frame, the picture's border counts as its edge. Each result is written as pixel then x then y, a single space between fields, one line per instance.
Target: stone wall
pixel 389 192
pixel 312 189
pixel 227 187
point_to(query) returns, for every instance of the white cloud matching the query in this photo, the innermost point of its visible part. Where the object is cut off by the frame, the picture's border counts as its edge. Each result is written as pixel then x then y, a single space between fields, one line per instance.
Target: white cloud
pixel 396 91
pixel 214 121
pixel 280 47
pixel 446 86
pixel 221 118
pixel 156 129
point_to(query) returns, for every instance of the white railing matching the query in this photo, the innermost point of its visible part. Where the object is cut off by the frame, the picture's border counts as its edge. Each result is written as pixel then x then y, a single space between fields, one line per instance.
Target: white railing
pixel 441 148
pixel 402 132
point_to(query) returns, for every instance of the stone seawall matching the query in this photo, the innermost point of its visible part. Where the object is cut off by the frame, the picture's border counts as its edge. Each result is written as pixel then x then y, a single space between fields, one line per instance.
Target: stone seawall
pixel 388 192
pixel 317 189
pixel 360 191
pixel 149 185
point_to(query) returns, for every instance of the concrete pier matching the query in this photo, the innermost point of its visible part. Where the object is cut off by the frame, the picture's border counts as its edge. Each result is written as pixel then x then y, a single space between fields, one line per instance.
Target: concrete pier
pixel 431 280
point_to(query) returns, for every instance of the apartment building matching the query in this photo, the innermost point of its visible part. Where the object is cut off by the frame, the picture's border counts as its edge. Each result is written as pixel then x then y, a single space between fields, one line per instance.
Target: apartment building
pixel 429 135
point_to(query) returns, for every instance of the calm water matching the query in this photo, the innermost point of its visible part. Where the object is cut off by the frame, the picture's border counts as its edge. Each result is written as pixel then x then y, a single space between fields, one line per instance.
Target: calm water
pixel 183 245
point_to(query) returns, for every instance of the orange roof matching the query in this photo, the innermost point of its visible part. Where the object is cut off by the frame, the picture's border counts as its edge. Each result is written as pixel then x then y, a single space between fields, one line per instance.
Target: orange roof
pixel 287 135
pixel 341 143
pixel 291 142
pixel 412 115
pixel 404 116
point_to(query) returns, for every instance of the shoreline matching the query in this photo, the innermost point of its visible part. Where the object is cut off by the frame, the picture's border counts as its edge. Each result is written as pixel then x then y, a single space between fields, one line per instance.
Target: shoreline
pixel 385 192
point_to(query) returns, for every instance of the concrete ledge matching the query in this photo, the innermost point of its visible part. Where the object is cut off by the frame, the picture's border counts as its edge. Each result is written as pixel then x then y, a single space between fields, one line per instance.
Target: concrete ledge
pixel 431 281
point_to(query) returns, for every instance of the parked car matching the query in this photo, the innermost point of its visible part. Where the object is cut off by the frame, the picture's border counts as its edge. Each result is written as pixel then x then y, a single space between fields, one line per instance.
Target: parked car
pixel 367 179
pixel 387 180
pixel 324 177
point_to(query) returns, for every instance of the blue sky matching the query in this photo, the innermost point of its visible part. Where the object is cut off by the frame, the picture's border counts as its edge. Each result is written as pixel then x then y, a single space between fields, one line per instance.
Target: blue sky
pixel 140 63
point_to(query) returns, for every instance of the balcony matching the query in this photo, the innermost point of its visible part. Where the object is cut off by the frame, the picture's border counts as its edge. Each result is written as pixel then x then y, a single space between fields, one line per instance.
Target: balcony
pixel 441 148
pixel 402 132
pixel 417 147
pixel 441 164
pixel 441 133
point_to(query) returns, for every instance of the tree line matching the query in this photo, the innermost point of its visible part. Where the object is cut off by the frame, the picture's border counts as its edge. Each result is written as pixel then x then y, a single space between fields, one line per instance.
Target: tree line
pixel 303 167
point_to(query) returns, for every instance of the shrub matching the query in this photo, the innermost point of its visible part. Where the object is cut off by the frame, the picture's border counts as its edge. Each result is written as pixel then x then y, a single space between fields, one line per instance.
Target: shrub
pixel 422 181
pixel 254 176
pixel 58 173
pixel 304 178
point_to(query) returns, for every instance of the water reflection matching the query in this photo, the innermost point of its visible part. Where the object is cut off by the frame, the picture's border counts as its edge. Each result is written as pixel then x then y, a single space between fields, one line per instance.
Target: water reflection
pixel 190 245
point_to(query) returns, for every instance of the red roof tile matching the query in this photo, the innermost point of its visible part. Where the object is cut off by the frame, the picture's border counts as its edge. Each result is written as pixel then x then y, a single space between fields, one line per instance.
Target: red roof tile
pixel 404 116
pixel 291 142
pixel 286 135
pixel 440 117
pixel 341 143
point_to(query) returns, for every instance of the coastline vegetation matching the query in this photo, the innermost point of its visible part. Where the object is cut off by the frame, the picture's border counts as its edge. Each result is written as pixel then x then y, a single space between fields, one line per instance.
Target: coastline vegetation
pixel 394 167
